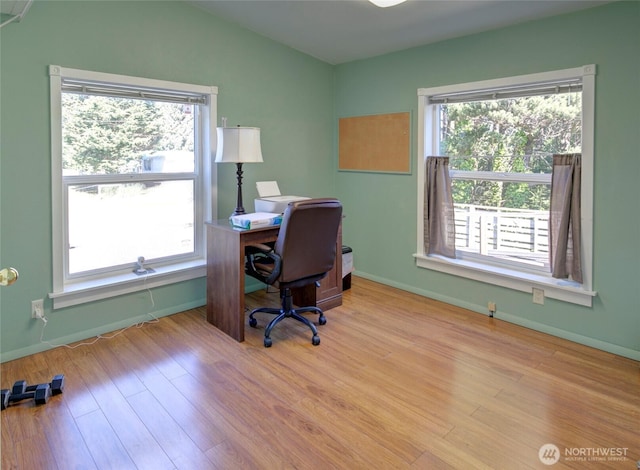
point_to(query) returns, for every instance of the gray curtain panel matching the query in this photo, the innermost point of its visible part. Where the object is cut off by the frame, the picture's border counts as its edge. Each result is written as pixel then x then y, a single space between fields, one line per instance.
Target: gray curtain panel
pixel 439 222
pixel 564 221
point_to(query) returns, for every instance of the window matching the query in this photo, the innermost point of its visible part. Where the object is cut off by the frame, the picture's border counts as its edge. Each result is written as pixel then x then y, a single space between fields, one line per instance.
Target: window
pixel 500 136
pixel 129 181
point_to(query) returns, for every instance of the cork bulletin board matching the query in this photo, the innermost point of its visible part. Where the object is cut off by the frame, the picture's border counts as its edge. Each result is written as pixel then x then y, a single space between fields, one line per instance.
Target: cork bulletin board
pixel 379 143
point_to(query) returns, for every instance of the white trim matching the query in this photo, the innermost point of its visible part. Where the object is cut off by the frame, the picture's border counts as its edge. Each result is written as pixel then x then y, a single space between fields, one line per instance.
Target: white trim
pixel 102 329
pixel 502 315
pixel 67 293
pixel 566 291
pixel 541 178
pixel 542 77
pixel 103 288
pixel 517 280
pixel 142 82
pixel 59 226
pixel 586 184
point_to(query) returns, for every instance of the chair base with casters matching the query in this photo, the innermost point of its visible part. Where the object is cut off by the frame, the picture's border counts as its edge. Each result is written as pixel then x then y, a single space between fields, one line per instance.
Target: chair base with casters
pixel 287 311
pixel 303 254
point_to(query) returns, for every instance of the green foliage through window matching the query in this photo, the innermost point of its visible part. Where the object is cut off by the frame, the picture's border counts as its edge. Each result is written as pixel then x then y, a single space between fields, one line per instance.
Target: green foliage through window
pixel 515 135
pixel 110 135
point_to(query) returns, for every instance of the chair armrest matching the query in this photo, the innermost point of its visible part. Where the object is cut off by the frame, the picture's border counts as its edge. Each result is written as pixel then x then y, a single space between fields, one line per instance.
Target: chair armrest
pixel 264 255
pixel 258 248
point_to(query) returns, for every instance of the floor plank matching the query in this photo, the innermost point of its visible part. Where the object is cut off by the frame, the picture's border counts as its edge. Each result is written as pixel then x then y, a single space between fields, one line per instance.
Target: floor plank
pixel 398 382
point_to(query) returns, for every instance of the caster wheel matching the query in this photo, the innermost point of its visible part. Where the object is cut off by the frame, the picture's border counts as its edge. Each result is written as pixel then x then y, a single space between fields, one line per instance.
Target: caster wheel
pixel 322 320
pixel 253 322
pixel 315 340
pixel 267 342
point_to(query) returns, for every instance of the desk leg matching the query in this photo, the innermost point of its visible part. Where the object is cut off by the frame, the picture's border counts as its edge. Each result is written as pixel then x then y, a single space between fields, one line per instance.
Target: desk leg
pixel 225 282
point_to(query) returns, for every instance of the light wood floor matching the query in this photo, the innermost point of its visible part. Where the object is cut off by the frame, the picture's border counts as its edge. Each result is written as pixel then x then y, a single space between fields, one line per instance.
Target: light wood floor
pixel 399 381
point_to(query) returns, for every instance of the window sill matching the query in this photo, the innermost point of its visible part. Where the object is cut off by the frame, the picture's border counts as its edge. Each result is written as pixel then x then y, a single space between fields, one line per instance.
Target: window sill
pixel 566 291
pixel 103 288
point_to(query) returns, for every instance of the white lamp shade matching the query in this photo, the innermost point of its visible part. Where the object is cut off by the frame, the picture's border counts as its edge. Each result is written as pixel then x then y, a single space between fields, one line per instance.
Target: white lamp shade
pixel 238 145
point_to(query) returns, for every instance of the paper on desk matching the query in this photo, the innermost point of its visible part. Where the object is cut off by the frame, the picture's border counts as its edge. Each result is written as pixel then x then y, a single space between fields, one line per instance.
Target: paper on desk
pixel 255 220
pixel 268 188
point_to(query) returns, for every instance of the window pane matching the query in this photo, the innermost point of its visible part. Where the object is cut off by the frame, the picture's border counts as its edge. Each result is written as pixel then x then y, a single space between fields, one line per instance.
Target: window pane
pixel 499 139
pixel 507 127
pixel 516 231
pixel 168 161
pixel 114 224
pixel 109 135
pixel 524 164
pixel 500 194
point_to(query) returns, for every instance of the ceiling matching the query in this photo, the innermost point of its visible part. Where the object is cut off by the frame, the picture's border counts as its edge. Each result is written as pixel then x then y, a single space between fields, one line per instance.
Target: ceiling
pixel 338 31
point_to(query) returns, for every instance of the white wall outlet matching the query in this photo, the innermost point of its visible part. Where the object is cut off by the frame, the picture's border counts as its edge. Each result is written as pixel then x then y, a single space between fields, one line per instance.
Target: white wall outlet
pixel 538 296
pixel 37 308
pixel 492 307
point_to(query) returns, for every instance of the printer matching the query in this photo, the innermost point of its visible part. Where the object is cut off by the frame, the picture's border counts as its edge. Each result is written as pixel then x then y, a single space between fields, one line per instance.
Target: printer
pixel 271 200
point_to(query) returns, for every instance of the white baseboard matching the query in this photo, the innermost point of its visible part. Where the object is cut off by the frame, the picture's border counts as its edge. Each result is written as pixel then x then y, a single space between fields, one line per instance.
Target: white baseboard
pixel 553 331
pixel 101 330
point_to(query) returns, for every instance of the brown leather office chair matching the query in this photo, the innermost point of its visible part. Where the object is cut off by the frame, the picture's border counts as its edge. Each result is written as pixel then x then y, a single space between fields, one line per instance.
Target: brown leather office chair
pixel 304 253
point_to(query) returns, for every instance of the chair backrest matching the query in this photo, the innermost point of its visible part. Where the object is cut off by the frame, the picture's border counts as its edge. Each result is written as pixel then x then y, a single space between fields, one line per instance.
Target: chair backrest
pixel 307 238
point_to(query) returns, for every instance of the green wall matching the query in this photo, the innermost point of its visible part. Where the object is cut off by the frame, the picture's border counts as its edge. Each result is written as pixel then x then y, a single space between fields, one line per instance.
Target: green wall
pixel 381 208
pixel 260 83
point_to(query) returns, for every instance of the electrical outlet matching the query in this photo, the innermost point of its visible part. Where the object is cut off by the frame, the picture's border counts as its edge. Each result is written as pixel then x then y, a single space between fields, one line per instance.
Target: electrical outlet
pixel 492 307
pixel 538 296
pixel 37 308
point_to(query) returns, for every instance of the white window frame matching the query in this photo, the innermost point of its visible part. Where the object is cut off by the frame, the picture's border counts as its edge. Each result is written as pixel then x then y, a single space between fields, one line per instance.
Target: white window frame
pixel 68 292
pixel 530 178
pixel 512 278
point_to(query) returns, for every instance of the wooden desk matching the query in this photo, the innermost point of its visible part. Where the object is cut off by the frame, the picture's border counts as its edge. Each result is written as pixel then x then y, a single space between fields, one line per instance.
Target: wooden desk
pixel 226 277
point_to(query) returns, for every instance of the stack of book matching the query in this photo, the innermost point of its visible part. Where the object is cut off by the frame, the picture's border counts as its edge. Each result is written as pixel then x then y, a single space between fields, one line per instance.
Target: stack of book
pixel 255 220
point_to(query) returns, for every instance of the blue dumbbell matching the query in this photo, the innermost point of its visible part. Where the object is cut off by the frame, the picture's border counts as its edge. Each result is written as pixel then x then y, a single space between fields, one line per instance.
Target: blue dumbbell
pixel 39 393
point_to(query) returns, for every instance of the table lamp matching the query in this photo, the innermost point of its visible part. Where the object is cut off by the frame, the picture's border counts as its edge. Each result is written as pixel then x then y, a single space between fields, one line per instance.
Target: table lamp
pixel 239 145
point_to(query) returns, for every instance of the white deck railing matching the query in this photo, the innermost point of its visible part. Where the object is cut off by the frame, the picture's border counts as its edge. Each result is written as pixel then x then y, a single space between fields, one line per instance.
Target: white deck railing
pixel 502 232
